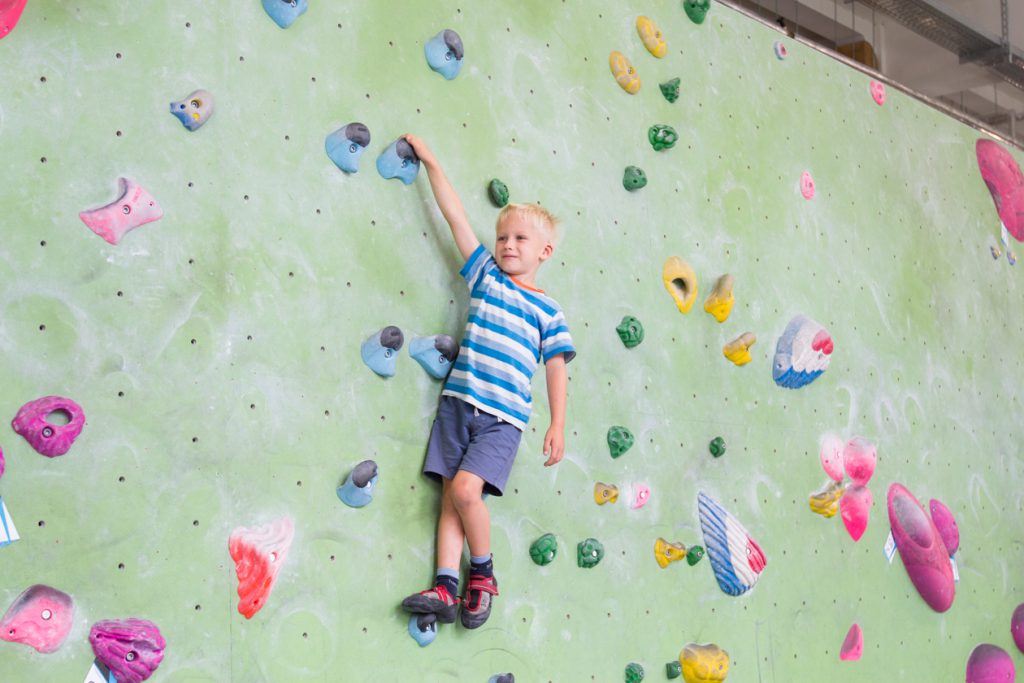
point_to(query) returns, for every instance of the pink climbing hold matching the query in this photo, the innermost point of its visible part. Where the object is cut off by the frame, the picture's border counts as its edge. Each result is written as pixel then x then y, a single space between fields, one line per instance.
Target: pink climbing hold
pixel 1017 626
pixel 878 92
pixel 1005 182
pixel 990 664
pixel 40 617
pixel 855 508
pixel 258 554
pixel 1 462
pixel 921 548
pixel 133 207
pixel 831 455
pixel 10 13
pixel 47 438
pixel 859 458
pixel 853 644
pixel 807 185
pixel 946 524
pixel 641 494
pixel 131 648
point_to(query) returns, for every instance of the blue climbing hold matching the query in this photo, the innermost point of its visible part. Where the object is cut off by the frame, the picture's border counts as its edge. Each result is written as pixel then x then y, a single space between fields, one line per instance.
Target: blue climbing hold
pixel 380 350
pixel 285 12
pixel 357 491
pixel 345 145
pixel 399 160
pixel 436 354
pixel 423 628
pixel 444 53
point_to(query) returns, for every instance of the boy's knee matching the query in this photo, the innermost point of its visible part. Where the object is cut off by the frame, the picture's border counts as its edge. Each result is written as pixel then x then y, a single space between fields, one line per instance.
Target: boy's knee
pixel 465 493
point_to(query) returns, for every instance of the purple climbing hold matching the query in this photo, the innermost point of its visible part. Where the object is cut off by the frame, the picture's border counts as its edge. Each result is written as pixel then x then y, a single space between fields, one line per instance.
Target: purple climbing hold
pixel 1 462
pixel 46 437
pixel 946 525
pixel 131 648
pixel 990 664
pixel 1017 626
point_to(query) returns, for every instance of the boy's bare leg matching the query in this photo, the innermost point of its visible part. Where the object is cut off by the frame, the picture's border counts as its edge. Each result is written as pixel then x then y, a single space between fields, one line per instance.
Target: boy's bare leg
pixel 466 493
pixel 450 534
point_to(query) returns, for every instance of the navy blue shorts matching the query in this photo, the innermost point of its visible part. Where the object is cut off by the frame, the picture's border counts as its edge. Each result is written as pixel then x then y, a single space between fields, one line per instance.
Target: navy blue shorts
pixel 464 438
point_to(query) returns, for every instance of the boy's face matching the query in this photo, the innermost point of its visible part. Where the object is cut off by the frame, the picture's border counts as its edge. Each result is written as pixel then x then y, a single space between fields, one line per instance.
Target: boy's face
pixel 520 247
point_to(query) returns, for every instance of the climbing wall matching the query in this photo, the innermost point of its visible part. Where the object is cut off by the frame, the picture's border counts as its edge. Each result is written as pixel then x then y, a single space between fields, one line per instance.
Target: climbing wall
pixel 216 352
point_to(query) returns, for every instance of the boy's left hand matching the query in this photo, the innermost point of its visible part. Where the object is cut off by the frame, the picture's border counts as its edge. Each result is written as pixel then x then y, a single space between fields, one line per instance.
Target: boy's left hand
pixel 554 445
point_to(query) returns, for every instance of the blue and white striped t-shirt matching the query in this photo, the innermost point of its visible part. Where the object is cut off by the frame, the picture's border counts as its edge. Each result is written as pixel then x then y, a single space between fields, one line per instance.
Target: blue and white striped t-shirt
pixel 510 328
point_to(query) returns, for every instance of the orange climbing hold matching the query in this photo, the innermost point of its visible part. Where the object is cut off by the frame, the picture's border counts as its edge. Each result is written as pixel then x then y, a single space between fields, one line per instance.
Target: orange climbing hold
pixel 259 554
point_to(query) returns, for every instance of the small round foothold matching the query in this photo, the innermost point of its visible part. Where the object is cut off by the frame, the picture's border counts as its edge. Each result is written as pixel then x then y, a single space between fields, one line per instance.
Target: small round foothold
pixel 589 553
pixel 634 673
pixel 717 447
pixel 498 191
pixel 878 92
pixel 780 50
pixel 697 10
pixel 673 670
pixel 807 185
pixel 630 331
pixel 694 555
pixel 662 136
pixel 544 549
pixel 634 178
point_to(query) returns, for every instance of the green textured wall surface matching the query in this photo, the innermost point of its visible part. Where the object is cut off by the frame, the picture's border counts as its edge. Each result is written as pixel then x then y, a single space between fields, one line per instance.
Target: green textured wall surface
pixel 216 351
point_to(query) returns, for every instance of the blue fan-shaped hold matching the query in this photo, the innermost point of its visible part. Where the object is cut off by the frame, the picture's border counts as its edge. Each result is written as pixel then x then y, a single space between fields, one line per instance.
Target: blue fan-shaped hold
pixel 735 557
pixel 802 353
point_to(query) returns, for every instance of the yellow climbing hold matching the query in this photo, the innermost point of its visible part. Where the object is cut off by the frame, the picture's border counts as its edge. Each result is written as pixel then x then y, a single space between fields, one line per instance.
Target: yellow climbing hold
pixel 624 72
pixel 666 553
pixel 826 501
pixel 680 282
pixel 704 663
pixel 651 36
pixel 605 493
pixel 738 350
pixel 719 302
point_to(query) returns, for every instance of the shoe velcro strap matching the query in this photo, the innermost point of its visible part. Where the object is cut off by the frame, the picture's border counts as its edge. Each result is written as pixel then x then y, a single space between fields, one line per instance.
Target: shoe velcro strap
pixel 483 583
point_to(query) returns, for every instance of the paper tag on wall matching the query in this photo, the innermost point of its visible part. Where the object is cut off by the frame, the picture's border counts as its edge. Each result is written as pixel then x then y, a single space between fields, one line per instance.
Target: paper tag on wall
pixel 956 573
pixel 890 548
pixel 98 673
pixel 8 534
pixel 1004 235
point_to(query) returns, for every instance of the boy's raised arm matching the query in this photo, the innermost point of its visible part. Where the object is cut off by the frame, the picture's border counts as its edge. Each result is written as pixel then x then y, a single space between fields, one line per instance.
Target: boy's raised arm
pixel 447 199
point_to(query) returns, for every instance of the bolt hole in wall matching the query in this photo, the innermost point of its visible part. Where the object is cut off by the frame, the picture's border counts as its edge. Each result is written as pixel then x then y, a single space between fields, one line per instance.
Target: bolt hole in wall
pixel 809 113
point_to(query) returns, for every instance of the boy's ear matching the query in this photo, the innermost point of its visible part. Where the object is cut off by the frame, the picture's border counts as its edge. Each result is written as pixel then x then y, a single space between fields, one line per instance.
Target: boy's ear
pixel 547 251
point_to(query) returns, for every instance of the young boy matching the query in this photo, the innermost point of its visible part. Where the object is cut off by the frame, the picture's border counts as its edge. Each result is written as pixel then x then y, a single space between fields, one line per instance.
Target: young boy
pixel 485 403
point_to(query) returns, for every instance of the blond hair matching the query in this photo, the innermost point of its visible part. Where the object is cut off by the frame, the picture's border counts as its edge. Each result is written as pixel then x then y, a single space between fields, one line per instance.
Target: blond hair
pixel 543 220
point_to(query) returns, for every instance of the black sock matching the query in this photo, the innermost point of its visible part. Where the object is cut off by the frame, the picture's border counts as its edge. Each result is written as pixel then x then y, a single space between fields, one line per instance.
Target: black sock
pixel 449 582
pixel 485 568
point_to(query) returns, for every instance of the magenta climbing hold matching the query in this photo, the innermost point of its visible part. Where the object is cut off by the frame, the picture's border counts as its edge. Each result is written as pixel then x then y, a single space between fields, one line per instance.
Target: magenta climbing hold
pixel 944 521
pixel 853 644
pixel 859 458
pixel 1 462
pixel 831 455
pixel 921 548
pixel 855 508
pixel 641 494
pixel 46 437
pixel 10 13
pixel 40 617
pixel 131 648
pixel 1017 626
pixel 807 185
pixel 259 553
pixel 1005 183
pixel 990 664
pixel 133 207
pixel 878 92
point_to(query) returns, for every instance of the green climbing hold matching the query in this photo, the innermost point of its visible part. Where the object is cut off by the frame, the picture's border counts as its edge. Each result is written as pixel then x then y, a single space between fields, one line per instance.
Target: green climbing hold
pixel 589 553
pixel 620 440
pixel 670 89
pixel 499 193
pixel 544 549
pixel 696 9
pixel 634 673
pixel 694 555
pixel 717 446
pixel 634 178
pixel 662 137
pixel 673 669
pixel 631 332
